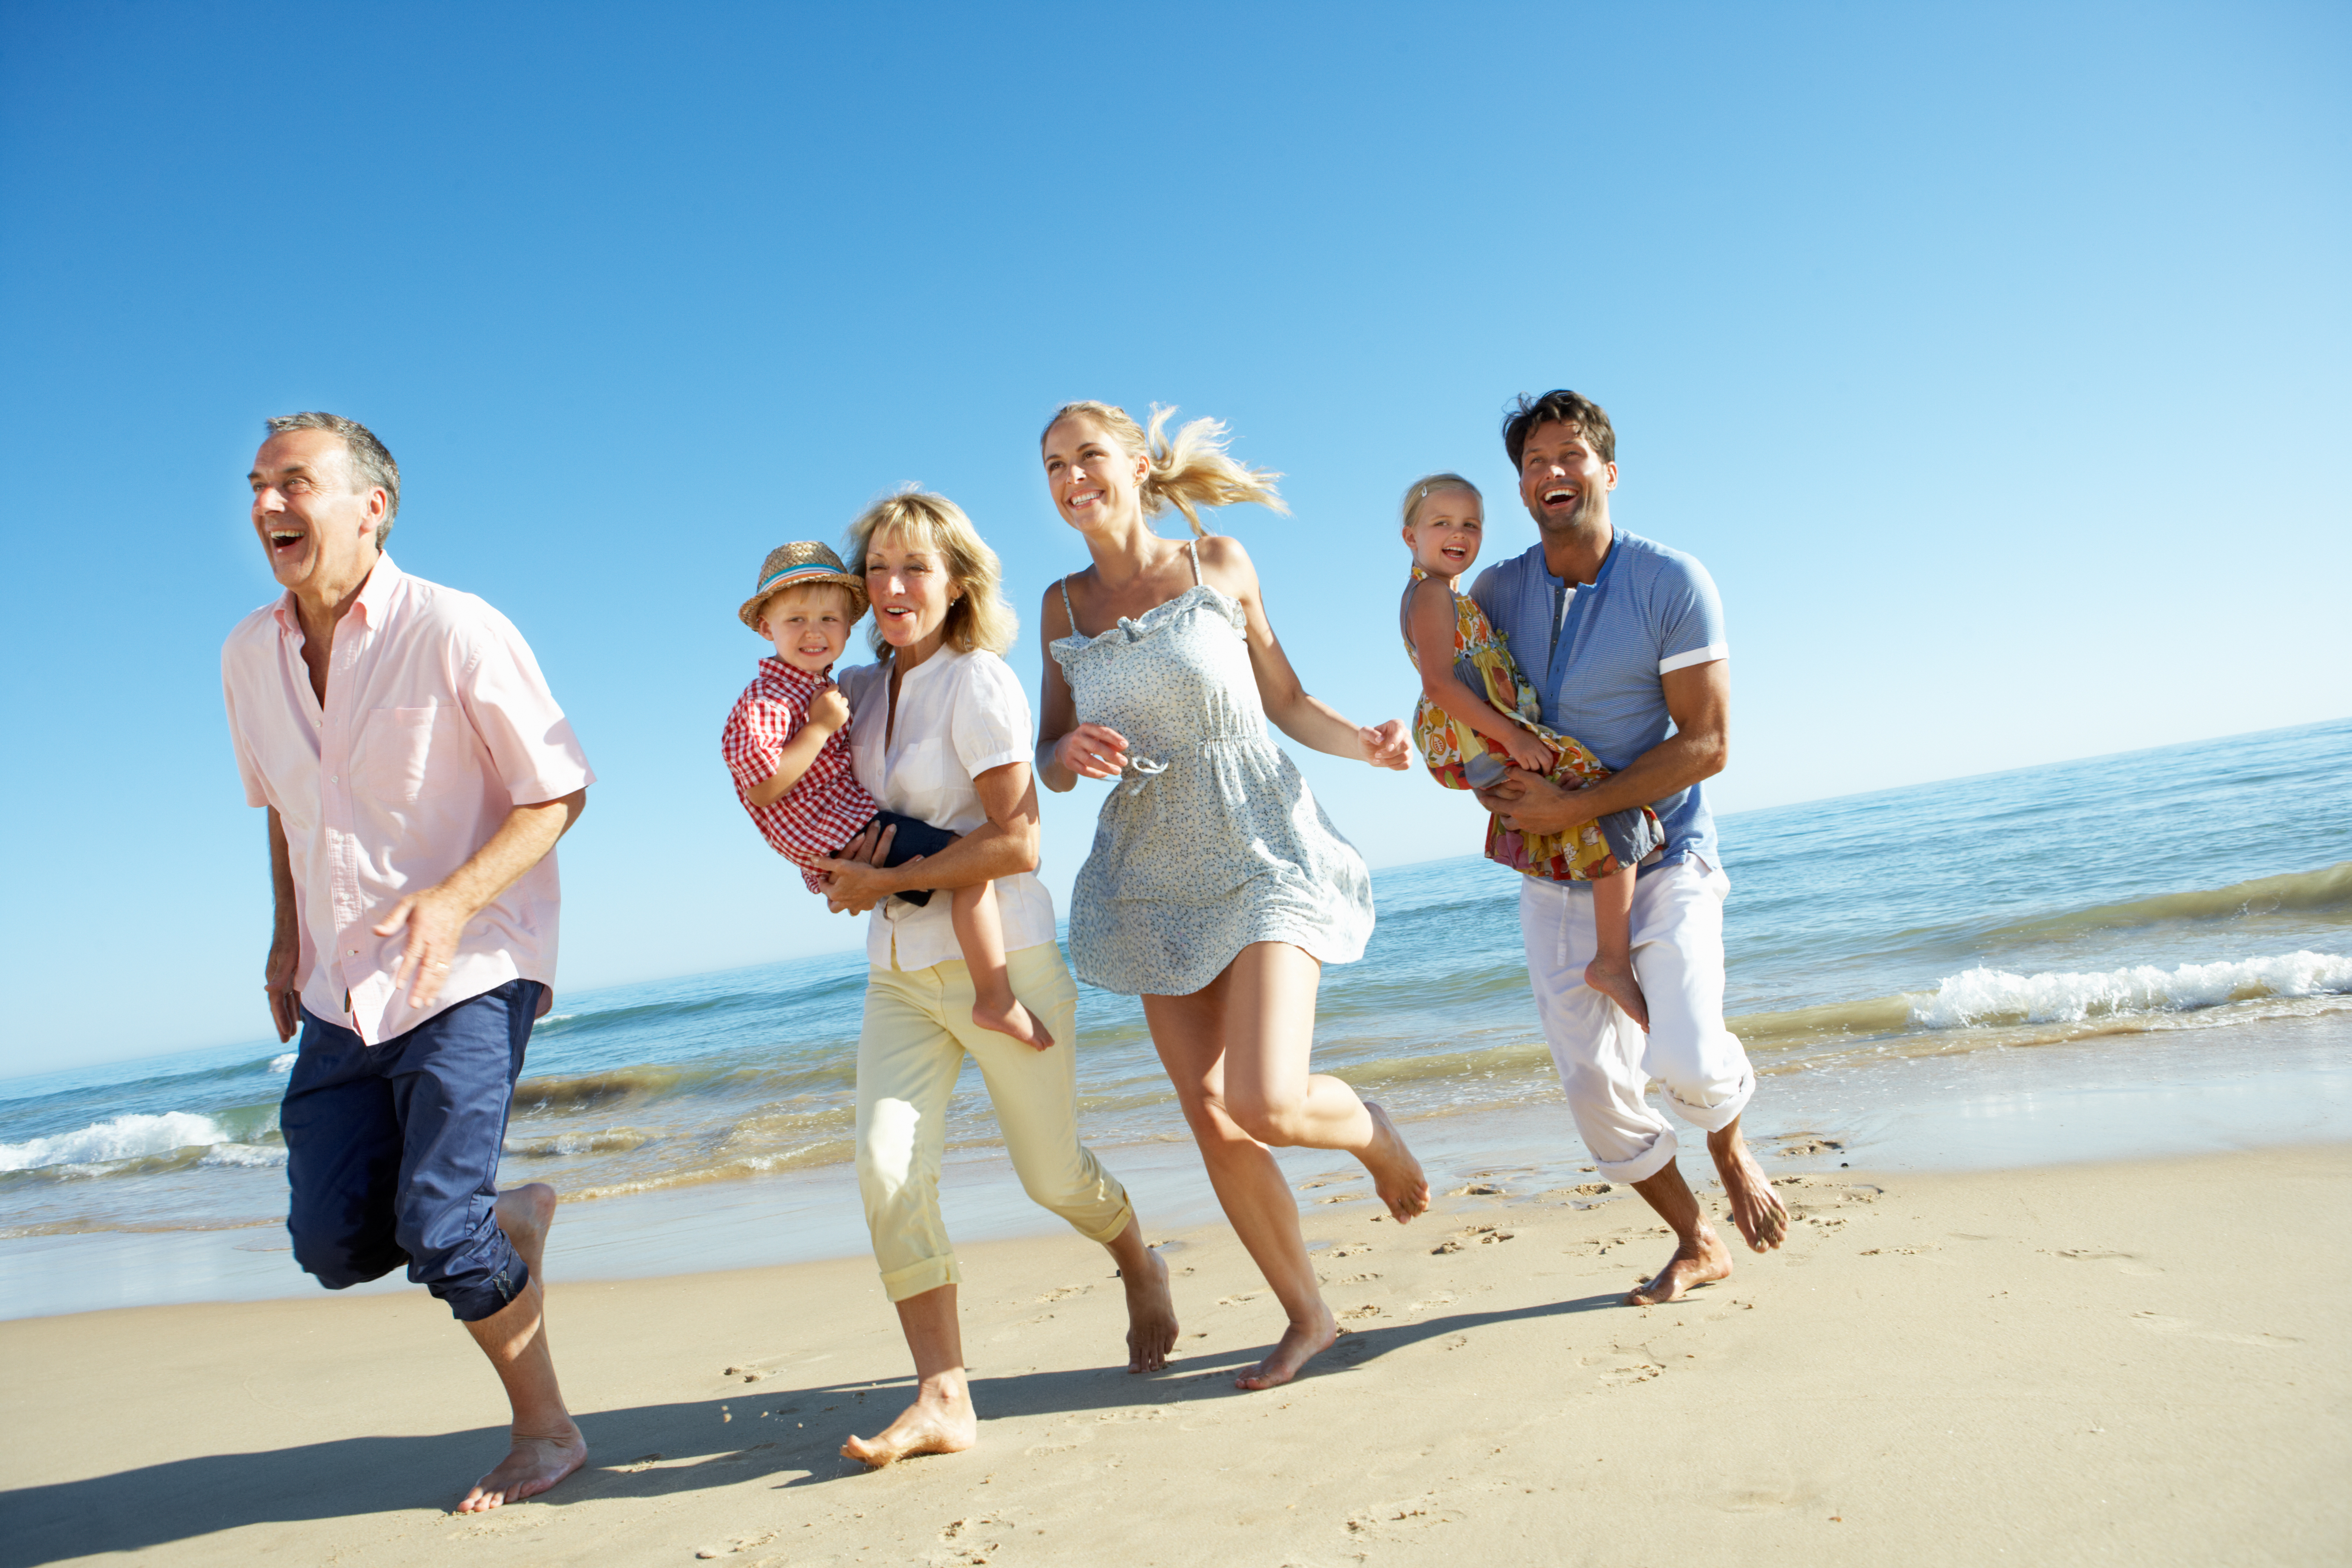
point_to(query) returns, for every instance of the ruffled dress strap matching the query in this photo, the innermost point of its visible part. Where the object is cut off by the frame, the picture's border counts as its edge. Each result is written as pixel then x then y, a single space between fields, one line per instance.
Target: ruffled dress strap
pixel 1195 557
pixel 1072 614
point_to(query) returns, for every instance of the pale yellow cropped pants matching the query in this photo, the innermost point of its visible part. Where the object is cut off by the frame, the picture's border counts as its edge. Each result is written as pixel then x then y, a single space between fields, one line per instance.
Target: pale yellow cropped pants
pixel 917 1028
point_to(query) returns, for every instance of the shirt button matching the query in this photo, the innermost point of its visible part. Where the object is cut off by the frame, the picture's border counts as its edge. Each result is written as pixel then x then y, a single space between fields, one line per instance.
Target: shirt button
pixel 334 778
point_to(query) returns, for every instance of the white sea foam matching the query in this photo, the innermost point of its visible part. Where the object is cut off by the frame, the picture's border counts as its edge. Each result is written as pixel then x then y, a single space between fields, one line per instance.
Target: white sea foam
pixel 283 1065
pixel 244 1154
pixel 122 1137
pixel 1980 996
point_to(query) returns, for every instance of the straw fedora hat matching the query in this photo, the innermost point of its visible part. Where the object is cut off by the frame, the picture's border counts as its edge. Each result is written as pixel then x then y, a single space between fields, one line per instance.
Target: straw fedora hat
pixel 795 565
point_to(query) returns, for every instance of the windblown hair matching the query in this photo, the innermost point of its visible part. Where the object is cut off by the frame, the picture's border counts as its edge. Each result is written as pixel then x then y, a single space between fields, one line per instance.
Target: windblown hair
pixel 1580 413
pixel 372 466
pixel 1428 485
pixel 979 618
pixel 1188 472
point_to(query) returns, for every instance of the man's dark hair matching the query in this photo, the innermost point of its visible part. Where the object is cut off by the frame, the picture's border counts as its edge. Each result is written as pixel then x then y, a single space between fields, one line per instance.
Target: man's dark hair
pixel 372 466
pixel 1588 418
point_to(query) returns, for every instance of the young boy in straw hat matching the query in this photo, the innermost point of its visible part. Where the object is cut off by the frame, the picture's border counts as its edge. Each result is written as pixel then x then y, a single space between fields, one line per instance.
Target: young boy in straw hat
pixel 787 744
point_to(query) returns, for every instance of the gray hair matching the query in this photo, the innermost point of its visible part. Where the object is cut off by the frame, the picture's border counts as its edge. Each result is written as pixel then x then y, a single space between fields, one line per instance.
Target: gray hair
pixel 372 468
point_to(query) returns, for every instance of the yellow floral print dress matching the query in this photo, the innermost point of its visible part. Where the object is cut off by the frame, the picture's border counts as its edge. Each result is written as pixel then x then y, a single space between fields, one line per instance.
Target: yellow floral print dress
pixel 1578 854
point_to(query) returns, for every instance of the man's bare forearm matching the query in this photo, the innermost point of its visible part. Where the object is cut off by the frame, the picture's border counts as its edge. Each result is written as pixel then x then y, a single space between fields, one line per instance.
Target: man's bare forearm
pixel 281 880
pixel 522 842
pixel 1666 769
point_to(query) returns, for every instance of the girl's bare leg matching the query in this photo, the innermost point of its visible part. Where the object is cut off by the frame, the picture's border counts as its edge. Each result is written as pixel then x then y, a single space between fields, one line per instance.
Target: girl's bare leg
pixel 1611 972
pixel 1236 1053
pixel 979 933
pixel 941 1420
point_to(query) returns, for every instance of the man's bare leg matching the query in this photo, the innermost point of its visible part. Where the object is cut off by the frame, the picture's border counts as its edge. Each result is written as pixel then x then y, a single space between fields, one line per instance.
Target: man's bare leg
pixel 1151 1309
pixel 1756 1209
pixel 941 1419
pixel 1700 1258
pixel 980 937
pixel 547 1446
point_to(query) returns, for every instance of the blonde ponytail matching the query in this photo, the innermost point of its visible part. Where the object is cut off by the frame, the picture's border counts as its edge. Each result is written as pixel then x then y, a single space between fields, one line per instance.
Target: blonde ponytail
pixel 1188 472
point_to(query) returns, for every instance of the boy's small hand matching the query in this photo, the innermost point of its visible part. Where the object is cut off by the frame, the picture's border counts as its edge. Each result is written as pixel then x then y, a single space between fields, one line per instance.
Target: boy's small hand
pixel 828 710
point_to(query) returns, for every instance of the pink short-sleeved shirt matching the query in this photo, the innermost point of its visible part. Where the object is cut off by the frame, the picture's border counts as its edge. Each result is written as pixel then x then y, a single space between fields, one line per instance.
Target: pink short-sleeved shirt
pixel 437 724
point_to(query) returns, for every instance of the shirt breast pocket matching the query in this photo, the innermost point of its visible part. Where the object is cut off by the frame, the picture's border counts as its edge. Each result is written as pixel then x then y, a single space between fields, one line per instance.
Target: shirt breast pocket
pixel 919 774
pixel 395 753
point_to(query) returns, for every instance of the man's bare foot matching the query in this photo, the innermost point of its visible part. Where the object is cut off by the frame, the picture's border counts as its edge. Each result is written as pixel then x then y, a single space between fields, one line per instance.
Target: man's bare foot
pixel 1396 1174
pixel 940 1421
pixel 1300 1343
pixel 1150 1316
pixel 1695 1263
pixel 1756 1208
pixel 1616 982
pixel 1015 1020
pixel 531 1465
pixel 524 1214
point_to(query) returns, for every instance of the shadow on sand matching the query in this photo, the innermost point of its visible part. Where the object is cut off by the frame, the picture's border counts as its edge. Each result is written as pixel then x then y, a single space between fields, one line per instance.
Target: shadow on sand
pixel 790 1437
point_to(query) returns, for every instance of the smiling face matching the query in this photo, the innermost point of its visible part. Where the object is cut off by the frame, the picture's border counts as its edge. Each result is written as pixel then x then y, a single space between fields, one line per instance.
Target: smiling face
pixel 911 590
pixel 317 531
pixel 1563 481
pixel 1445 532
pixel 809 625
pixel 1092 477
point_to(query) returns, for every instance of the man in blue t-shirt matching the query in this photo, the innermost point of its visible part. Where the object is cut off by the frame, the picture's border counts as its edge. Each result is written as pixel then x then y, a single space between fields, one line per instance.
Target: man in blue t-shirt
pixel 1624 639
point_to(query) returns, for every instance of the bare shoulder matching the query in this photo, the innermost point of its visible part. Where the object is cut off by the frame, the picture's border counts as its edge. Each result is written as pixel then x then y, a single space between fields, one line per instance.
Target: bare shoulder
pixel 1052 618
pixel 1226 564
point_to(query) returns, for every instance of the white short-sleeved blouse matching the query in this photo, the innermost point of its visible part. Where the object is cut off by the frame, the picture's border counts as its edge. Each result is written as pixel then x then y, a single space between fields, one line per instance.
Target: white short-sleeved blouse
pixel 959 714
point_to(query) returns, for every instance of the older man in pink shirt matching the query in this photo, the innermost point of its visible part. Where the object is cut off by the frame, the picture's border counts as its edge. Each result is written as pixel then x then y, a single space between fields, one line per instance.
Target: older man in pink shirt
pixel 418 773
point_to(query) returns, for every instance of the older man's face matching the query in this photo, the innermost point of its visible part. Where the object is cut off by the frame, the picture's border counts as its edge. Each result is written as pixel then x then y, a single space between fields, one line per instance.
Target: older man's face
pixel 317 531
pixel 1560 474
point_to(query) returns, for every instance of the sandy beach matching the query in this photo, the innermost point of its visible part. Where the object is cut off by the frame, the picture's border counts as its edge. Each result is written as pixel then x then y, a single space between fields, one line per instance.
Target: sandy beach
pixel 2120 1362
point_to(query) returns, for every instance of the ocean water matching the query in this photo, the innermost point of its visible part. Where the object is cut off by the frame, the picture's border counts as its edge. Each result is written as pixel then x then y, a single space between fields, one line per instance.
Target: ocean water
pixel 2150 903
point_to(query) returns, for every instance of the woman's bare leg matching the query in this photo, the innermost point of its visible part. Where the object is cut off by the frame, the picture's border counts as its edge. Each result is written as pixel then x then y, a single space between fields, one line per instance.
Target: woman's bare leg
pixel 980 933
pixel 1611 972
pixel 940 1420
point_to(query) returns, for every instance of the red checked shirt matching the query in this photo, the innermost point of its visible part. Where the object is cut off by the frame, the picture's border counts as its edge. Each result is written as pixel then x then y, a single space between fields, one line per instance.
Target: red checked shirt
pixel 826 808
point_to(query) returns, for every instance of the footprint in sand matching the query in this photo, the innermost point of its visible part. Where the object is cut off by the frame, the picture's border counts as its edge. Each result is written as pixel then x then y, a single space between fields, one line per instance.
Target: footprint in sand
pixel 1366 1311
pixel 1477 1190
pixel 1062 1292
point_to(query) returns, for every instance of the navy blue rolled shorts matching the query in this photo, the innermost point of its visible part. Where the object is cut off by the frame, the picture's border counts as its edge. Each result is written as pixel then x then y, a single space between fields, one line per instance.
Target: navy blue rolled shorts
pixel 393 1151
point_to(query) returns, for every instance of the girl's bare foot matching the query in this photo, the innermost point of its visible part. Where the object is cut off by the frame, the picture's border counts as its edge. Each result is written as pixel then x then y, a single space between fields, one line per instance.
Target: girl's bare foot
pixel 1150 1316
pixel 1396 1174
pixel 1015 1020
pixel 531 1465
pixel 1699 1262
pixel 1616 982
pixel 940 1421
pixel 1300 1343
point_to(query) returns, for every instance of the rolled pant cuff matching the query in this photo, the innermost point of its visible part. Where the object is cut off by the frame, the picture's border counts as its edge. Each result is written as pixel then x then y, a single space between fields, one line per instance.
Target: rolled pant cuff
pixel 905 1284
pixel 1105 1237
pixel 477 1300
pixel 1643 1166
pixel 1714 1117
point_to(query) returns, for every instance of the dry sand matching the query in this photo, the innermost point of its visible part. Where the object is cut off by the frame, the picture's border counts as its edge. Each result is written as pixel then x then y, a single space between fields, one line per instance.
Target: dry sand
pixel 2121 1362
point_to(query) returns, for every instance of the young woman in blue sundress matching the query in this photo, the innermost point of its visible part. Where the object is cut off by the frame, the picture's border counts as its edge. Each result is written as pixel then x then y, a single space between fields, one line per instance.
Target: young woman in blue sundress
pixel 1217 889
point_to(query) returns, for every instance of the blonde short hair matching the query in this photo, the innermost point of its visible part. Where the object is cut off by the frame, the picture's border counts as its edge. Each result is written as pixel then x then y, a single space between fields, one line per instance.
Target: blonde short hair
pixel 1418 493
pixel 978 618
pixel 1188 472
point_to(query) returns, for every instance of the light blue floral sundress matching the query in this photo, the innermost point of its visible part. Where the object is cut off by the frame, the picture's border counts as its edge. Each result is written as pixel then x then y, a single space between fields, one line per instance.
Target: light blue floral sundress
pixel 1211 841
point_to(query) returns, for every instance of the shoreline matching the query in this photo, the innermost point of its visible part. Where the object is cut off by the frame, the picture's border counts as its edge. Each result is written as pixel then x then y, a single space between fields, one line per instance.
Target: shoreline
pixel 2055 1363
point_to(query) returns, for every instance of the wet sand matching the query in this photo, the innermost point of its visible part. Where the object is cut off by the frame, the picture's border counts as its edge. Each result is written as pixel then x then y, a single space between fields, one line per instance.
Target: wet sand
pixel 2129 1361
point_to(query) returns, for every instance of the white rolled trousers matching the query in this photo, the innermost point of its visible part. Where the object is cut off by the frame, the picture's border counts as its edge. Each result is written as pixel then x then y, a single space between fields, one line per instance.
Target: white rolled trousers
pixel 1605 1061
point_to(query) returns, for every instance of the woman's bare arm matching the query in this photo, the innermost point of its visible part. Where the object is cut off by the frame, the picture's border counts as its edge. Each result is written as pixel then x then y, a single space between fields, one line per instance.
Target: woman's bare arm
pixel 1068 749
pixel 1305 718
pixel 1003 846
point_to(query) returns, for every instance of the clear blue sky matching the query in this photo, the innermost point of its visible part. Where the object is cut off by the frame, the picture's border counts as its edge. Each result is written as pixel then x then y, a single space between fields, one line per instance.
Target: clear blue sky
pixel 1992 357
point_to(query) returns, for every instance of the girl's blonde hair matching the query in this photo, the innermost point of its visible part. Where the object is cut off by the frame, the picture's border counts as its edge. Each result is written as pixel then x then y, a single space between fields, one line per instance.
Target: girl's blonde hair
pixel 1428 485
pixel 1189 473
pixel 978 618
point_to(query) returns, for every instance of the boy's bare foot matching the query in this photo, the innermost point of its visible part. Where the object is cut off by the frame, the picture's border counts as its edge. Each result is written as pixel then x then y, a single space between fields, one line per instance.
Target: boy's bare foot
pixel 1756 1208
pixel 524 1214
pixel 1697 1262
pixel 1396 1174
pixel 1616 982
pixel 1150 1316
pixel 1015 1020
pixel 940 1421
pixel 531 1465
pixel 1300 1343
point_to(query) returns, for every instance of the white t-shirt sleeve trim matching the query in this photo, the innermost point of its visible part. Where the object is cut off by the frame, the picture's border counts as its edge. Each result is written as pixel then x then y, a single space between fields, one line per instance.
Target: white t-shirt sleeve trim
pixel 1707 655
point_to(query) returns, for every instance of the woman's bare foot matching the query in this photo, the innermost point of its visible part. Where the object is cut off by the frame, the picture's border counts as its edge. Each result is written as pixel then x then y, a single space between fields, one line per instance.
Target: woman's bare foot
pixel 1150 1316
pixel 1756 1208
pixel 1015 1020
pixel 531 1465
pixel 1300 1344
pixel 1696 1262
pixel 940 1421
pixel 1616 982
pixel 524 1214
pixel 1396 1174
